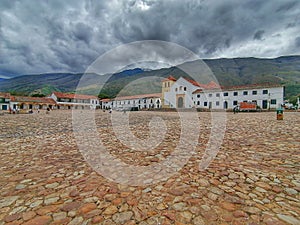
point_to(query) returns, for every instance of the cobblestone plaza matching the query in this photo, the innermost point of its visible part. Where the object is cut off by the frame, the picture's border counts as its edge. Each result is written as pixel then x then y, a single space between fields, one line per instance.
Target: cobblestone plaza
pixel 254 179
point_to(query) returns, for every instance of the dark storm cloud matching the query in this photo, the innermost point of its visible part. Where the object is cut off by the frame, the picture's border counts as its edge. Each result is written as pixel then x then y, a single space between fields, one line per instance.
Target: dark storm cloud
pixel 83 32
pixel 67 36
pixel 258 35
pixel 287 5
pixel 297 42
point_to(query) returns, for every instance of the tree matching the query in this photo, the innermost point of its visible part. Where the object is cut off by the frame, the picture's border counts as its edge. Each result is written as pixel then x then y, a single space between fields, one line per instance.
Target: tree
pixel 38 95
pixel 103 95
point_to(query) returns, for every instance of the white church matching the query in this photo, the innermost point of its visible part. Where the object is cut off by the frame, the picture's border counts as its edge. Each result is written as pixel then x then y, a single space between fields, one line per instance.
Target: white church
pixel 184 93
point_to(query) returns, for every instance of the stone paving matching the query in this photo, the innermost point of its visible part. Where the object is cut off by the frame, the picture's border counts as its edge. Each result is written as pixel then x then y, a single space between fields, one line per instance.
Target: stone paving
pixel 255 178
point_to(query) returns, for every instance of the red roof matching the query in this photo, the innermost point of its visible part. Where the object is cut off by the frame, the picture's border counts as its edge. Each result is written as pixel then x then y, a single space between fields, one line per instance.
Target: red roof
pixel 170 78
pixel 4 95
pixel 120 98
pixel 106 100
pixel 73 96
pixel 233 88
pixel 197 91
pixel 210 85
pixel 41 100
pixel 195 83
pixel 154 95
pixel 252 86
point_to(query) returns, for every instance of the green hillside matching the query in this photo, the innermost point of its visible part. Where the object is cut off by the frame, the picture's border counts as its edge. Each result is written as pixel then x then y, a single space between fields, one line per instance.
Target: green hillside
pixel 229 72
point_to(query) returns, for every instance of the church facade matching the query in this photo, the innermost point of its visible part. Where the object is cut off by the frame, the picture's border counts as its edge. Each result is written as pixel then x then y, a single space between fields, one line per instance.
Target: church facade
pixel 184 93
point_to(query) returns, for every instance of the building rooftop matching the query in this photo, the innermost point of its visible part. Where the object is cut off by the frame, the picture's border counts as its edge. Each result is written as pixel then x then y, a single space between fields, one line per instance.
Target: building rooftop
pixel 154 95
pixel 27 99
pixel 4 95
pixel 241 87
pixel 170 77
pixel 73 96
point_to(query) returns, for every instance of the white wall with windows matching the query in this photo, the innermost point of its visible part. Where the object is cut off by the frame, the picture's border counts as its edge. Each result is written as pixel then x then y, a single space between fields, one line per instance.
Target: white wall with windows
pixel 72 101
pixel 181 90
pixel 128 102
pixel 265 97
pixel 140 103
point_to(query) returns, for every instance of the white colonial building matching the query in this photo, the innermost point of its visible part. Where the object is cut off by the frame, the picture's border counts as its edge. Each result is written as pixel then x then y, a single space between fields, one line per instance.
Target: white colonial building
pixel 183 93
pixel 75 101
pixel 4 101
pixel 138 102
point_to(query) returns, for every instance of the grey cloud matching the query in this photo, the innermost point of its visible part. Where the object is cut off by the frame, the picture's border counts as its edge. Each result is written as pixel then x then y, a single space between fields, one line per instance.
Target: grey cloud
pixel 297 42
pixel 258 35
pixel 287 5
pixel 59 36
pixel 83 32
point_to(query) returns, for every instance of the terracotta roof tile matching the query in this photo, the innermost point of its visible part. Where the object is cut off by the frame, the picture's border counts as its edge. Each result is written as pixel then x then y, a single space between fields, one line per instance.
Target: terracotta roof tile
pixel 74 96
pixel 41 100
pixel 4 95
pixel 106 100
pixel 154 95
pixel 251 86
pixel 170 78
pixel 197 91
pixel 241 87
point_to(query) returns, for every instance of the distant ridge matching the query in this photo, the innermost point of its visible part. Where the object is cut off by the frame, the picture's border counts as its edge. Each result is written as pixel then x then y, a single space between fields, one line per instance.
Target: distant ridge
pixel 229 72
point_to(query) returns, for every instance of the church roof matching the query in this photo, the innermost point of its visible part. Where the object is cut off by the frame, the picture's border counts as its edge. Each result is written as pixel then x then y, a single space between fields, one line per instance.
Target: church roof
pixel 169 78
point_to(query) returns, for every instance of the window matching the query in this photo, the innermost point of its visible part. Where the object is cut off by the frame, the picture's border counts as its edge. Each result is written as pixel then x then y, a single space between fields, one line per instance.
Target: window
pixel 265 92
pixel 245 92
pixel 254 92
pixel 218 95
pixel 273 101
pixel 198 96
pixel 198 103
pixel 180 88
pixel 235 93
pixel 184 88
pixel 210 95
pixel 205 103
pixel 176 89
pixel 235 102
pixel 225 94
pixel 217 103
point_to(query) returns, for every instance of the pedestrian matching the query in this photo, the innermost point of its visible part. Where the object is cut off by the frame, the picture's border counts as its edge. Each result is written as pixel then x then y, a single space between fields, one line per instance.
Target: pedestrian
pixel 235 110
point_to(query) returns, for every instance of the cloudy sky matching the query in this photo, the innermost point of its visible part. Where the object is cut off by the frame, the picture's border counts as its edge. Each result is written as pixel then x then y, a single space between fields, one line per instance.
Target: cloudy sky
pixel 67 36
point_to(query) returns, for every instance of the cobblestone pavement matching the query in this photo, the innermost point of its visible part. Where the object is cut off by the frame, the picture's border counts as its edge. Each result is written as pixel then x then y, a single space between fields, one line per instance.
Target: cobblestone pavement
pixel 254 179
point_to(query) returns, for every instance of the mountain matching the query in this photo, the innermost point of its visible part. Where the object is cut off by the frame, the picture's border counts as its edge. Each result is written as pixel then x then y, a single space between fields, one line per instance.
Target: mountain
pixel 229 72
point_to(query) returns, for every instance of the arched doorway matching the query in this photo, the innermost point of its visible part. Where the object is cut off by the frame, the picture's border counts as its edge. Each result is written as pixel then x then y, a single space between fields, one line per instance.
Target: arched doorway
pixel 225 105
pixel 180 102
